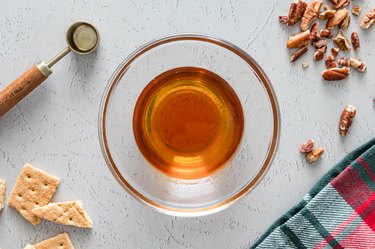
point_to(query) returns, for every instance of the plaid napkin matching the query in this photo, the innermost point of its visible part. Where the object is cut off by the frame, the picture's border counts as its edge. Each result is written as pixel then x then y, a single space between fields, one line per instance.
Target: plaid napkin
pixel 338 212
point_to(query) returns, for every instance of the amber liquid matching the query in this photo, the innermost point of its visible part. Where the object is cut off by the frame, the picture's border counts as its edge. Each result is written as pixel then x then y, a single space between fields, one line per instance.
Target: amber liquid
pixel 188 122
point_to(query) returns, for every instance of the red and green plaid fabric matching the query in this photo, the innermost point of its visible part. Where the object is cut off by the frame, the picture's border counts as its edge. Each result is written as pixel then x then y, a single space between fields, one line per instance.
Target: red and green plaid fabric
pixel 338 212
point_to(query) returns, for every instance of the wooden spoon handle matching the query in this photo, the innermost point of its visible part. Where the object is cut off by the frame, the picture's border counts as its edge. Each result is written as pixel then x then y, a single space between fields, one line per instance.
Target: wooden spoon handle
pixel 22 86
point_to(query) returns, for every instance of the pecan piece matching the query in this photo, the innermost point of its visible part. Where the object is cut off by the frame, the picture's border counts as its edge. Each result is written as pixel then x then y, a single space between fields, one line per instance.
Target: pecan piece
pixel 314 32
pixel 299 40
pixel 335 51
pixel 362 68
pixel 327 14
pixel 330 62
pixel 356 10
pixel 326 33
pixel 314 155
pixel 342 42
pixel 320 43
pixel 319 54
pixel 355 41
pixel 342 3
pixel 296 12
pixel 339 16
pixel 305 65
pixel 307 146
pixel 283 19
pixel 346 119
pixel 345 23
pixel 336 73
pixel 296 55
pixel 344 62
pixel 368 20
pixel 312 12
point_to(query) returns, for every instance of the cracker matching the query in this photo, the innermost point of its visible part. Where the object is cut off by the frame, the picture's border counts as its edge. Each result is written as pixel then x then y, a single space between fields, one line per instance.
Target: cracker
pixel 61 241
pixel 29 247
pixel 3 189
pixel 67 213
pixel 34 188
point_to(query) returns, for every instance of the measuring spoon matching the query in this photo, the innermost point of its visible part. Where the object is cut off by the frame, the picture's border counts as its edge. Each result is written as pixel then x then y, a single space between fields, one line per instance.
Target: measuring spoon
pixel 82 38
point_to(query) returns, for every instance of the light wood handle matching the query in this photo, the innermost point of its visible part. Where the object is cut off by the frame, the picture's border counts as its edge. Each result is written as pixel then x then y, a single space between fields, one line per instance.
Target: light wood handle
pixel 19 88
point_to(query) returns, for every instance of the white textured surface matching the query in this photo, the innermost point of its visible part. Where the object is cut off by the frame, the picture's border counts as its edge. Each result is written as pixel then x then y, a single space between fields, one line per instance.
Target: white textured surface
pixel 55 128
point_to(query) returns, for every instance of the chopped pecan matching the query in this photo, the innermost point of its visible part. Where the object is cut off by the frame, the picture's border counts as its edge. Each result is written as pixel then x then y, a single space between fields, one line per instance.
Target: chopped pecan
pixel 356 10
pixel 368 20
pixel 345 23
pixel 355 41
pixel 312 12
pixel 326 33
pixel 299 40
pixel 339 16
pixel 320 43
pixel 330 62
pixel 344 62
pixel 327 7
pixel 307 146
pixel 335 51
pixel 283 19
pixel 336 73
pixel 342 3
pixel 314 155
pixel 355 63
pixel 342 42
pixel 319 54
pixel 346 119
pixel 297 54
pixel 362 68
pixel 327 14
pixel 314 32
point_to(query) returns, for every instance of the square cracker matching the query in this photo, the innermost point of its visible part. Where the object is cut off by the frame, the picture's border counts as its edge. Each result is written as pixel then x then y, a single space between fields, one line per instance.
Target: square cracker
pixel 61 241
pixel 67 213
pixel 3 188
pixel 34 188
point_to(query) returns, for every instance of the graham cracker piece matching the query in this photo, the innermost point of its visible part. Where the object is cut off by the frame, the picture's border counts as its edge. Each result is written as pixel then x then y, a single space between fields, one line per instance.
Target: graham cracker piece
pixel 34 188
pixel 61 241
pixel 3 189
pixel 29 247
pixel 67 213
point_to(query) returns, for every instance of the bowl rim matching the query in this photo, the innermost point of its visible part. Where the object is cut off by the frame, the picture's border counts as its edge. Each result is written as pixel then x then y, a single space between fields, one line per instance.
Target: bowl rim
pixel 117 75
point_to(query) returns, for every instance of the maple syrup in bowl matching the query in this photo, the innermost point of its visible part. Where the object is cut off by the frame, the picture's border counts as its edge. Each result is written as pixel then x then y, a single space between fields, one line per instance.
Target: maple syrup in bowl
pixel 188 124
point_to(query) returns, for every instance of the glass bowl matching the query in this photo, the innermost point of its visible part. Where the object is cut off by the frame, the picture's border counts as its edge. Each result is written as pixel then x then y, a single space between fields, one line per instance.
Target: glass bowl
pixel 189 197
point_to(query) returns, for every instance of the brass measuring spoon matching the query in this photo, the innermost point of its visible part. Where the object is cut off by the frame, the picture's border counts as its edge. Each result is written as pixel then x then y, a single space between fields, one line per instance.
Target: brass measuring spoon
pixel 82 38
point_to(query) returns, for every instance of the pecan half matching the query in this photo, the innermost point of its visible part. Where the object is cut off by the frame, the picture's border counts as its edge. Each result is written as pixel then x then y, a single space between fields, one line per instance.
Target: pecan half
pixel 355 41
pixel 296 12
pixel 330 62
pixel 297 54
pixel 345 23
pixel 327 14
pixel 346 119
pixel 326 33
pixel 335 51
pixel 344 62
pixel 336 73
pixel 320 43
pixel 314 155
pixel 356 10
pixel 299 40
pixel 368 20
pixel 342 42
pixel 319 54
pixel 339 16
pixel 312 12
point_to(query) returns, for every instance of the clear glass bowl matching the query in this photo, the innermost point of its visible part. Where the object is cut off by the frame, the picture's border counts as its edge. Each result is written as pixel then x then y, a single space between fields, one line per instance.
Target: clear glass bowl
pixel 201 196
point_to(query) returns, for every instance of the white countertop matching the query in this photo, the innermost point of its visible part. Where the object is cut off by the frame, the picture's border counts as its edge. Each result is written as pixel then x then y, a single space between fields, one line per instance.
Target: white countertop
pixel 55 128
